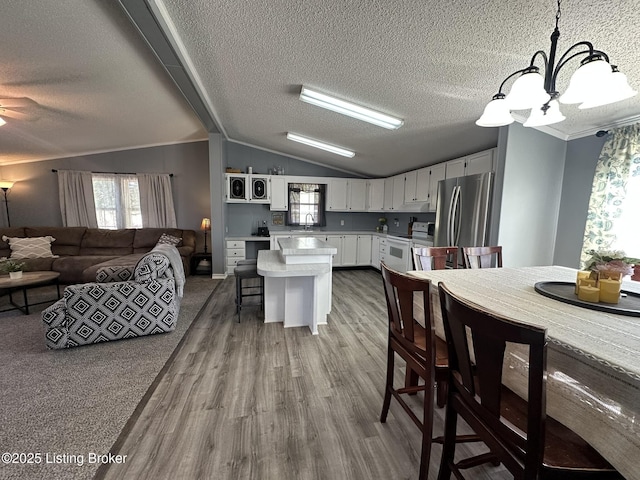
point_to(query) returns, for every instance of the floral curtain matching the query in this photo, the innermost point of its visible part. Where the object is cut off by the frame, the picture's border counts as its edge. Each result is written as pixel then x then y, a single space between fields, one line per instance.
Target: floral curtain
pixel 614 195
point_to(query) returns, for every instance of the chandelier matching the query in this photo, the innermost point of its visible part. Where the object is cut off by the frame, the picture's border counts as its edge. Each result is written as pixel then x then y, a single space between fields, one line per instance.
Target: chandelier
pixel 596 82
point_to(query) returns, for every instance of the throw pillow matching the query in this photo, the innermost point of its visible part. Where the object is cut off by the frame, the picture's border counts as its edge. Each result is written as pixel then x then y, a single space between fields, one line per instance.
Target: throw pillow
pixel 34 247
pixel 167 239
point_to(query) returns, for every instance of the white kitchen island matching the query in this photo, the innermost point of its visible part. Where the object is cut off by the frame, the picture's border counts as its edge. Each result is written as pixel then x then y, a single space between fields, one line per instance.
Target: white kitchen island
pixel 297 282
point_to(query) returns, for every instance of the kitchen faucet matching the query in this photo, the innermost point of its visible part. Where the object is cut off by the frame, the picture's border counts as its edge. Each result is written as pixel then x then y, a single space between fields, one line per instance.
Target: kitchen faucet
pixel 307 226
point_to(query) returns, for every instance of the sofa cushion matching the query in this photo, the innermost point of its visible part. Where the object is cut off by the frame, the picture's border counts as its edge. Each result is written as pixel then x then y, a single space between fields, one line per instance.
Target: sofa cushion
pixel 67 238
pixel 147 238
pixel 71 268
pixel 169 240
pixel 98 241
pixel 38 264
pixel 36 247
pixel 90 273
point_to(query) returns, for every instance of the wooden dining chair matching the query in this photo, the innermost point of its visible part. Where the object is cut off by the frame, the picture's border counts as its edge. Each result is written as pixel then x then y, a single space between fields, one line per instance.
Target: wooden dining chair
pixel 530 444
pixel 434 258
pixel 424 352
pixel 482 257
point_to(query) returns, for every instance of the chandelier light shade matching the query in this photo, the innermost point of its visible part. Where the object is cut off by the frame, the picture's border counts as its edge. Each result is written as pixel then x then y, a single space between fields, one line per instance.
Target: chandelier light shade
pixel 496 113
pixel 595 83
pixel 350 109
pixel 2 122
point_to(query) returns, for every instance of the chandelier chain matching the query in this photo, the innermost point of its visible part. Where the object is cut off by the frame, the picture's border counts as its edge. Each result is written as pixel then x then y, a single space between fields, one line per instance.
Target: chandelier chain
pixel 558 13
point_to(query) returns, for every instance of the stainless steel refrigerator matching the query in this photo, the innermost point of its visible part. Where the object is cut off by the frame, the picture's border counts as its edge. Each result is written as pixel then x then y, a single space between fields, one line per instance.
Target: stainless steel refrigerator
pixel 462 212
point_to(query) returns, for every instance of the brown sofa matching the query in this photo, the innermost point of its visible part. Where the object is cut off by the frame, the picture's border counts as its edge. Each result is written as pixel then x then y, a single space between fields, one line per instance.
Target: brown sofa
pixel 82 251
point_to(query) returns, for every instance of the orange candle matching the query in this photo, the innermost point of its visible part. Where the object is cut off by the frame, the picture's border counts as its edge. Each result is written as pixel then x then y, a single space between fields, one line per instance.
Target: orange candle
pixel 609 290
pixel 582 275
pixel 588 293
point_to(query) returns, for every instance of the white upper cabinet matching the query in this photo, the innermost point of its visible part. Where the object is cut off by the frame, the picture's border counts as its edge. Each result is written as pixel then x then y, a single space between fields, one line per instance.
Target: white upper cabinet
pixel 398 192
pixel 422 184
pixel 279 193
pixel 237 187
pixel 242 188
pixel 337 194
pixel 480 162
pixel 347 194
pixel 410 185
pixel 357 189
pixel 388 194
pixel 436 173
pixel 375 195
pixel 455 168
pixel 259 188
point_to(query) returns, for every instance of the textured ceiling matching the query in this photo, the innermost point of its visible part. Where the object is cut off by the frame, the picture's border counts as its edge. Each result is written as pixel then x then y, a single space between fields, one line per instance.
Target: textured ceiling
pixel 94 84
pixel 433 63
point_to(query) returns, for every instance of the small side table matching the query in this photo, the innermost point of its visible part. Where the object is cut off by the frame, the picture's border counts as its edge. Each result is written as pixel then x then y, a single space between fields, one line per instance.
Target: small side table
pixel 196 258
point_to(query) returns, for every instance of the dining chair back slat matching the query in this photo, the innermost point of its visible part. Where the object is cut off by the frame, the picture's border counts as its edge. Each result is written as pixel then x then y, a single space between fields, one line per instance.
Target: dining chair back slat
pixel 435 258
pixel 482 257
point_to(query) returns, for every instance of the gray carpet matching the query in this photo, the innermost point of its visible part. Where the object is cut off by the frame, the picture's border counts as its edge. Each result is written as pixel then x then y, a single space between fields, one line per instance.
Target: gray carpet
pixel 67 404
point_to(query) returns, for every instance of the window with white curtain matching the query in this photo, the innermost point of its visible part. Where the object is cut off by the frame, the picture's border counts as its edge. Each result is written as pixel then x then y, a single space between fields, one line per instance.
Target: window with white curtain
pixel 117 199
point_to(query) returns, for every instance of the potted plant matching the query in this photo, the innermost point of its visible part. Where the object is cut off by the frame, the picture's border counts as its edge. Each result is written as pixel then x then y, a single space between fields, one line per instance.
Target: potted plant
pixel 611 262
pixel 13 268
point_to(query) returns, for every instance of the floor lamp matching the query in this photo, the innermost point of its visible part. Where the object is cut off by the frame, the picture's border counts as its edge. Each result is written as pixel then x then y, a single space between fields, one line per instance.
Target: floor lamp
pixel 6 185
pixel 206 226
pixel 205 264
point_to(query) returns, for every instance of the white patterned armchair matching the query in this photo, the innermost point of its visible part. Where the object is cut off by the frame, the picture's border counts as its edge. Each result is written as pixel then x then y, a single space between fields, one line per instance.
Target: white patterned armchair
pixel 111 309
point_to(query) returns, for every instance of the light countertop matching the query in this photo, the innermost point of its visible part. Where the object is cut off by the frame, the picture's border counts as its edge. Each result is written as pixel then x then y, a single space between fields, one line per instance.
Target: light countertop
pixel 271 264
pixel 306 246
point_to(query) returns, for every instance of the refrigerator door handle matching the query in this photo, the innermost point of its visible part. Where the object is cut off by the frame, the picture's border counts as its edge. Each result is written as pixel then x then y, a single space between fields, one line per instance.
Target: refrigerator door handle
pixel 450 217
pixel 455 221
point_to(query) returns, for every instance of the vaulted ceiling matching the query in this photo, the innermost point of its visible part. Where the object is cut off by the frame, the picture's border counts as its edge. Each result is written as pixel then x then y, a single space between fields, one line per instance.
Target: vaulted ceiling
pixel 93 84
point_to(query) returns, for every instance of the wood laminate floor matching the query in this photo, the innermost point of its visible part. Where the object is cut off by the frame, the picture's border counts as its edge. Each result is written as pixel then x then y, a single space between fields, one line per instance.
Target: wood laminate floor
pixel 256 401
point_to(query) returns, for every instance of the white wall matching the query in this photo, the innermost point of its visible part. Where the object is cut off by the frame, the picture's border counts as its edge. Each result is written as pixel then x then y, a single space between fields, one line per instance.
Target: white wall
pixel 532 167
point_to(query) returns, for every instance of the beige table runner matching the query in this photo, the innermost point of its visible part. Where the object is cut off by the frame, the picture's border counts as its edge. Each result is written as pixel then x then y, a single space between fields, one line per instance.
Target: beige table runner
pixel 593 381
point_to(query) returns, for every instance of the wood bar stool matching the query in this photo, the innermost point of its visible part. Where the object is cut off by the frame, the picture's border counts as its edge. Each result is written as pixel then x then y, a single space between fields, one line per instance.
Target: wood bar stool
pixel 245 272
pixel 530 444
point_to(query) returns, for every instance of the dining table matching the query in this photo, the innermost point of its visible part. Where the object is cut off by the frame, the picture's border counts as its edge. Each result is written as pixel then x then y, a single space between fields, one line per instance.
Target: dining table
pixel 593 356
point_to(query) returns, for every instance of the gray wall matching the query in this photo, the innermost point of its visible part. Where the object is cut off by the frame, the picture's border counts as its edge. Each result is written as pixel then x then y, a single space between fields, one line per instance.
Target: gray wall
pixel 580 165
pixel 34 198
pixel 532 167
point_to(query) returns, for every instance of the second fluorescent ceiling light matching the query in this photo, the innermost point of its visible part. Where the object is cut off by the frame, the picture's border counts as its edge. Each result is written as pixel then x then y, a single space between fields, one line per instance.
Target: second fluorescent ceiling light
pixel 350 109
pixel 321 145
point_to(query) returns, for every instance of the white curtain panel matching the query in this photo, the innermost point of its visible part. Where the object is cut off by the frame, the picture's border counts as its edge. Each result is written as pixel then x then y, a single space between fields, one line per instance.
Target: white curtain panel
pixel 76 199
pixel 156 200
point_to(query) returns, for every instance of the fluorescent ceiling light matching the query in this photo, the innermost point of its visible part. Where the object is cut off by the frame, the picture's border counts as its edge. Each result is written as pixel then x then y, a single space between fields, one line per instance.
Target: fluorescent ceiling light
pixel 350 109
pixel 324 146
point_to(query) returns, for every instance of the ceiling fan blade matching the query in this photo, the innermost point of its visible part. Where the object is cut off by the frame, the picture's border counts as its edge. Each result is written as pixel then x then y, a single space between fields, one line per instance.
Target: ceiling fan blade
pixel 17 115
pixel 16 102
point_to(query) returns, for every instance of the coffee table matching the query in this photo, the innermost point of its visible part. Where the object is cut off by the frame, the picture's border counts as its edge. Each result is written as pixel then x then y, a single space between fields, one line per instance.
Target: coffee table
pixel 28 281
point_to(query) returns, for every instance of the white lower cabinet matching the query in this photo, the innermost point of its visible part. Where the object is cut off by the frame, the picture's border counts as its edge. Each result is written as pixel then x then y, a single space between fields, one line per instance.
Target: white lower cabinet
pixel 349 250
pixel 336 241
pixel 364 250
pixel 375 251
pixel 235 252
